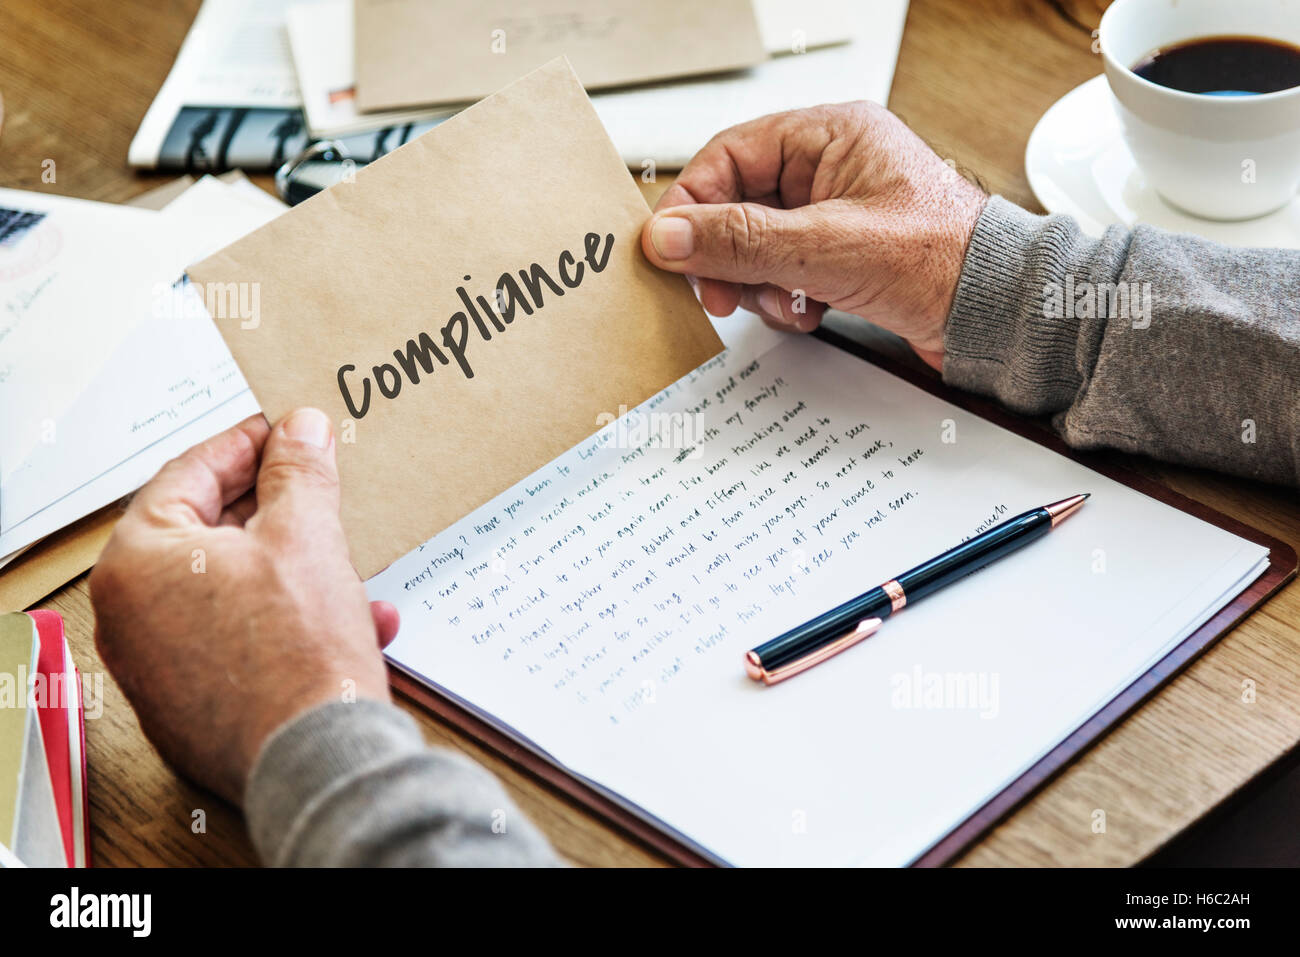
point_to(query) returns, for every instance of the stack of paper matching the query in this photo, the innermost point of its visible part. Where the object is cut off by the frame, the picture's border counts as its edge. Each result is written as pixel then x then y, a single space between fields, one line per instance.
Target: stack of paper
pixel 43 821
pixel 109 363
pixel 254 83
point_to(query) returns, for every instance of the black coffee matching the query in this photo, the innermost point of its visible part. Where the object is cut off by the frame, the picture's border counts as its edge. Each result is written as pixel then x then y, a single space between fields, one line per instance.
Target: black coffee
pixel 1223 66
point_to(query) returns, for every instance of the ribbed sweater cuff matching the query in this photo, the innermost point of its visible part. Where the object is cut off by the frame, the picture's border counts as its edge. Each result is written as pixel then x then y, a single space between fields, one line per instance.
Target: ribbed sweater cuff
pixel 309 757
pixel 997 341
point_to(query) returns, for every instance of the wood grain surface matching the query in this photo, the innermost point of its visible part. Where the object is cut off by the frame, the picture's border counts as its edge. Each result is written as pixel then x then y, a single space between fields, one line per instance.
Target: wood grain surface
pixel 973 78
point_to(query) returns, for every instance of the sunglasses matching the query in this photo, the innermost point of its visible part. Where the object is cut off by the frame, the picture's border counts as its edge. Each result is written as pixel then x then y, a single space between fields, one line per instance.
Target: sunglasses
pixel 320 166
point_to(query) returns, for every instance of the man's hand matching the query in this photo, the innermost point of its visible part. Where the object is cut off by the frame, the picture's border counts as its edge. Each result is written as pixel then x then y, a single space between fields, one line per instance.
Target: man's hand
pixel 836 205
pixel 225 601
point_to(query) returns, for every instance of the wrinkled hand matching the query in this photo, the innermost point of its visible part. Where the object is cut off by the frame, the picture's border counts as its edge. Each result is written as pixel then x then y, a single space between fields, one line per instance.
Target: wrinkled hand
pixel 843 204
pixel 225 602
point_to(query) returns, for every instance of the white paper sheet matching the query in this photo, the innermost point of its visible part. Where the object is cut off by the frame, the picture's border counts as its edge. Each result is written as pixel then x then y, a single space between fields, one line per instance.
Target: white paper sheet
pixel 601 608
pixel 73 285
pixel 167 385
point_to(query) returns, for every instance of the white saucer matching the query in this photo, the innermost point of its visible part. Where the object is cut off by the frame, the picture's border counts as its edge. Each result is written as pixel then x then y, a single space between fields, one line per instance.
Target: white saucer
pixel 1077 163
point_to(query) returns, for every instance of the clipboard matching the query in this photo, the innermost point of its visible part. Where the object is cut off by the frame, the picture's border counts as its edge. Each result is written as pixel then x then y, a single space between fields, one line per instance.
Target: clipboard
pixel 679 850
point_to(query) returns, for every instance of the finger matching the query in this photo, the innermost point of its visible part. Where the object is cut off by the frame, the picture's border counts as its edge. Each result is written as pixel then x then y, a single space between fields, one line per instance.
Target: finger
pixel 742 243
pixel 678 195
pixel 196 486
pixel 675 195
pixel 238 512
pixel 298 483
pixel 387 621
pixel 775 324
pixel 789 311
pixel 775 155
pixel 718 298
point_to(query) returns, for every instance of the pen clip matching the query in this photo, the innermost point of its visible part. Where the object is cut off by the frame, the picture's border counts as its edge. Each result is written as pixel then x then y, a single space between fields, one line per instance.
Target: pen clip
pixel 754 666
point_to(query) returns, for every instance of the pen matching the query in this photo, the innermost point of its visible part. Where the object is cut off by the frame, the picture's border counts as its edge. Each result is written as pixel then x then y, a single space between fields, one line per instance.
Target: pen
pixel 845 625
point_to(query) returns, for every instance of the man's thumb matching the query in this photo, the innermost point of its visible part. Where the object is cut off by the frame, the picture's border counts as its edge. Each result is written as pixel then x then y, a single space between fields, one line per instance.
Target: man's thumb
pixel 298 477
pixel 735 242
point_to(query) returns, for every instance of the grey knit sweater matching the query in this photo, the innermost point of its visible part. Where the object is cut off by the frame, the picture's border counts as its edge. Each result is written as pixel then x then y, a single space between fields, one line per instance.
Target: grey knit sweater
pixel 1206 373
pixel 1143 341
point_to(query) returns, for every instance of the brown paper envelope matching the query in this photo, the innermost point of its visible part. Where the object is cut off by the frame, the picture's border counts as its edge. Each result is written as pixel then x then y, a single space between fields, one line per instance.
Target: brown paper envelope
pixel 55 560
pixel 418 52
pixel 359 271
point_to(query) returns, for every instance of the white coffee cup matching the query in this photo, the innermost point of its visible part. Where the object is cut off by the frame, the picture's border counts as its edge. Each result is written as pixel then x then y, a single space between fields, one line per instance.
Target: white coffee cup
pixel 1219 157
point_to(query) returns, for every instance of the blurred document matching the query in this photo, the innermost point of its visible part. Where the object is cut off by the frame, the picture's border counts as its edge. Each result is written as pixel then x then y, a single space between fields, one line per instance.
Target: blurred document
pixel 664 125
pixel 76 278
pixel 414 53
pixel 320 37
pixel 235 55
pixel 792 26
pixel 165 385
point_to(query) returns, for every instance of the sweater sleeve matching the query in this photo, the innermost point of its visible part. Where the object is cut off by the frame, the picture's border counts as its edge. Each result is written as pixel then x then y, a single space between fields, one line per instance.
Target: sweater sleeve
pixel 1142 340
pixel 354 785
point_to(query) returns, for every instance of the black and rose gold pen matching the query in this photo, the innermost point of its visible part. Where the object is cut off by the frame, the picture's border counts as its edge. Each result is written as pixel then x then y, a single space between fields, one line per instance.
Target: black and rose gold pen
pixel 845 625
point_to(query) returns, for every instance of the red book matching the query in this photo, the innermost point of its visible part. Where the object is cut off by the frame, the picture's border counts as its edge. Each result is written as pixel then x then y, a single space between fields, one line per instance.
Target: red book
pixel 63 727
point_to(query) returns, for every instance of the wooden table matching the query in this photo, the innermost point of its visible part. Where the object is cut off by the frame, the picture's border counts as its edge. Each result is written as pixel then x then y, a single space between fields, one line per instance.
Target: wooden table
pixel 973 77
